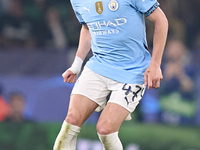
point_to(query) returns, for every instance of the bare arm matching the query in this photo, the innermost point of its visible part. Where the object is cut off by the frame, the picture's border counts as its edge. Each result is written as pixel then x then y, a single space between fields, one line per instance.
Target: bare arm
pixel 153 74
pixel 70 75
pixel 84 42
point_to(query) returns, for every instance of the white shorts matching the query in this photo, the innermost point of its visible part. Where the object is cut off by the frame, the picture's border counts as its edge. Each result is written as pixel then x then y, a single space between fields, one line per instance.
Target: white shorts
pixel 97 88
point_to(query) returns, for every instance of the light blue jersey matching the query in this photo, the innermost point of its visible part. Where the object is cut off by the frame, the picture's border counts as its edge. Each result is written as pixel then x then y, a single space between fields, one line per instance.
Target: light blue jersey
pixel 118 35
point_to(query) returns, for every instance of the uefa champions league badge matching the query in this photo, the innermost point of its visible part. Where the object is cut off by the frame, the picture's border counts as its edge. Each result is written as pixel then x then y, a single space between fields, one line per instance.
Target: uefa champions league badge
pixel 113 5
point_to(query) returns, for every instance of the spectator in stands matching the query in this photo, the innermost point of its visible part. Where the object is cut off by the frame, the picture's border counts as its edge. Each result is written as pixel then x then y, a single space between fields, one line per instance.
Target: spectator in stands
pixel 48 26
pixel 16 31
pixel 56 32
pixel 178 85
pixel 177 62
pixel 71 26
pixel 17 105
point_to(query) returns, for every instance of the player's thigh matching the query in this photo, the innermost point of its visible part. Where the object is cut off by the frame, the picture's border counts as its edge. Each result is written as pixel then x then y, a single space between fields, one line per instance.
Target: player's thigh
pixel 111 118
pixel 80 108
pixel 93 86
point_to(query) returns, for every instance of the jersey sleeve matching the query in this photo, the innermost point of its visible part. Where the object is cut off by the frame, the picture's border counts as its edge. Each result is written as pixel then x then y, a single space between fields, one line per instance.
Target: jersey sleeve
pixel 80 19
pixel 145 7
pixel 77 13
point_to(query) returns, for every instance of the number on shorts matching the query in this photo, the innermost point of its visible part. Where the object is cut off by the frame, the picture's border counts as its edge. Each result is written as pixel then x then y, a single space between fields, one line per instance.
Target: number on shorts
pixel 128 90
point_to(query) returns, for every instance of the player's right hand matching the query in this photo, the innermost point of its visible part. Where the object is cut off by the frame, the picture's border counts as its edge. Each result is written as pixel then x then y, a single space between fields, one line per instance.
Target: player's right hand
pixel 69 76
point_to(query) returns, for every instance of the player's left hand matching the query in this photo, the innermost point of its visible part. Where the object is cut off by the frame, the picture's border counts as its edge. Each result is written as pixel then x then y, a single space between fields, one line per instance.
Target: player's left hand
pixel 153 76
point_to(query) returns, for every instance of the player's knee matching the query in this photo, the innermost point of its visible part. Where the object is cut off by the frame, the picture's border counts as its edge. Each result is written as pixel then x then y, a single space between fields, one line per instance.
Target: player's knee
pixel 73 118
pixel 104 129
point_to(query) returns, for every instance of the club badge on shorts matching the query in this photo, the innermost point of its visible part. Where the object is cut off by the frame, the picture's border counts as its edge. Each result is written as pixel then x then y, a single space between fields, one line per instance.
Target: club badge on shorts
pixel 113 5
pixel 99 7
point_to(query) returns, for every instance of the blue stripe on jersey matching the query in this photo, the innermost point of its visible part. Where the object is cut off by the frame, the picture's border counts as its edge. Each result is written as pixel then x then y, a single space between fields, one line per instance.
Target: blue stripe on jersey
pixel 151 9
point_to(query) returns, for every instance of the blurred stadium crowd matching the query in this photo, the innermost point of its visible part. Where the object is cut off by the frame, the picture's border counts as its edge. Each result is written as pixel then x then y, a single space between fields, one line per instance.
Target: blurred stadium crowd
pixel 50 25
pixel 42 23
pixel 37 24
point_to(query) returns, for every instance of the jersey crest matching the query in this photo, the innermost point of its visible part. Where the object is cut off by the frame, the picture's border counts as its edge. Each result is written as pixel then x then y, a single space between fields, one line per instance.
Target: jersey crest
pixel 113 5
pixel 99 7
